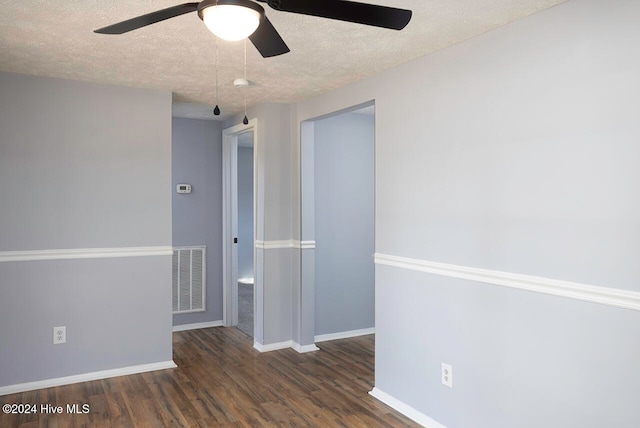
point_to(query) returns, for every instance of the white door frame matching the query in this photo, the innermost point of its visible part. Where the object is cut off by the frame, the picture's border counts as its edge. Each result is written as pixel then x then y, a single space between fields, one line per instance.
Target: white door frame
pixel 230 219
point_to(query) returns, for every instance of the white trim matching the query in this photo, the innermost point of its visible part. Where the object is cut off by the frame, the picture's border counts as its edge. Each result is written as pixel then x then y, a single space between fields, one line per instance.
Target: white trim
pixel 271 245
pixel 604 295
pixel 184 327
pixel 307 245
pixel 273 346
pixel 303 349
pixel 284 345
pixel 344 334
pixel 83 253
pixel 405 409
pixel 86 377
pixel 285 243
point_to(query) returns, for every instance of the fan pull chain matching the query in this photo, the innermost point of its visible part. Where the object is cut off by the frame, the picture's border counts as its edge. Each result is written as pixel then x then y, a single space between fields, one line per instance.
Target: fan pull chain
pixel 216 109
pixel 245 120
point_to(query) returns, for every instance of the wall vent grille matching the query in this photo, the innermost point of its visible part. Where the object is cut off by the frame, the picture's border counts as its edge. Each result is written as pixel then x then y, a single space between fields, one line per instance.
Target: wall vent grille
pixel 189 279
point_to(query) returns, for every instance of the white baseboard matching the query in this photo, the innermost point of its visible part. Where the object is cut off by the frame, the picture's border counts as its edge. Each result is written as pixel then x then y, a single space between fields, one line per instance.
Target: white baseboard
pixel 304 348
pixel 86 377
pixel 405 409
pixel 344 334
pixel 183 327
pixel 284 345
pixel 310 348
pixel 273 346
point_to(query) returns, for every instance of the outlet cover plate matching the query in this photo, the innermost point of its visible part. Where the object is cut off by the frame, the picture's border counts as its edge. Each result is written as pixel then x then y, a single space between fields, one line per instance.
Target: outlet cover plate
pixel 59 335
pixel 447 375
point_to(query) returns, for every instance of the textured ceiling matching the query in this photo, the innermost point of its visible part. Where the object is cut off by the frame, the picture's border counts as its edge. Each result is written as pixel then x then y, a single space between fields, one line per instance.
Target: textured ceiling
pixel 55 38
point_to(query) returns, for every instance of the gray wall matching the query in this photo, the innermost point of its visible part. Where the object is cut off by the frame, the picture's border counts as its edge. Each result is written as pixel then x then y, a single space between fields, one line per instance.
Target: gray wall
pixel 344 208
pixel 83 166
pixel 197 216
pixel 515 151
pixel 245 212
pixel 275 267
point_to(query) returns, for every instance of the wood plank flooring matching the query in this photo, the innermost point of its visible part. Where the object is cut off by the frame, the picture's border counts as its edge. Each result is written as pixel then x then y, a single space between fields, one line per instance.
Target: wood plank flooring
pixel 221 381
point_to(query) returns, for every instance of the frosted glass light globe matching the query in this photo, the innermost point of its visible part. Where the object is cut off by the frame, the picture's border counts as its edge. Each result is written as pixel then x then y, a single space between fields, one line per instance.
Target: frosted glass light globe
pixel 231 22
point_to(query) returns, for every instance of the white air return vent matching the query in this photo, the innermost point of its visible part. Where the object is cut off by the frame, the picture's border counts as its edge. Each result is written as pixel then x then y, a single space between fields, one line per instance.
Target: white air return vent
pixel 189 279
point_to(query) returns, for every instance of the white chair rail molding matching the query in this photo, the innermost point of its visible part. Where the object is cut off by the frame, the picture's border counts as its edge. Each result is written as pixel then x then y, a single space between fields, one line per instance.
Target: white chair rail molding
pixel 604 295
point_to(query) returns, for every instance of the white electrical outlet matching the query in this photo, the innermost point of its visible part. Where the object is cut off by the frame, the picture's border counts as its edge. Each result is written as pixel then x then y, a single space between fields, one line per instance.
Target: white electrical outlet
pixel 447 375
pixel 59 335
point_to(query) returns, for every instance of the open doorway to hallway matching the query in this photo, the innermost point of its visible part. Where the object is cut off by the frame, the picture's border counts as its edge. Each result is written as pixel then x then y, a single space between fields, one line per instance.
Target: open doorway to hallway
pixel 239 218
pixel 246 237
pixel 338 208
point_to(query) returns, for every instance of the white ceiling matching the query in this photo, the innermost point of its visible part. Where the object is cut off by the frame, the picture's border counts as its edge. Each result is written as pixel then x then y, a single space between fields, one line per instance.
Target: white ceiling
pixel 55 38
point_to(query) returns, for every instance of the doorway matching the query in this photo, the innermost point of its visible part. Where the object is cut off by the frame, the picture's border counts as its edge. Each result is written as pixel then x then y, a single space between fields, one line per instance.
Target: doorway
pixel 239 226
pixel 246 237
pixel 338 208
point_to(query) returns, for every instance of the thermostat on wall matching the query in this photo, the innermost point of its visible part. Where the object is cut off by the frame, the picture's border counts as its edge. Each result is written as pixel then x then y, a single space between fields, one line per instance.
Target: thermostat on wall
pixel 183 188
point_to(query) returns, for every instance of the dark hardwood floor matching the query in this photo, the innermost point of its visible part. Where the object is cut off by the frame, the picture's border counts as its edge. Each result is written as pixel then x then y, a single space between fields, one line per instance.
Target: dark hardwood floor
pixel 221 381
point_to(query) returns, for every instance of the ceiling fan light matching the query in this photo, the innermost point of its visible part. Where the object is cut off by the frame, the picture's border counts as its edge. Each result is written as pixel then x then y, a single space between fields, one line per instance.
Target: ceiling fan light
pixel 231 22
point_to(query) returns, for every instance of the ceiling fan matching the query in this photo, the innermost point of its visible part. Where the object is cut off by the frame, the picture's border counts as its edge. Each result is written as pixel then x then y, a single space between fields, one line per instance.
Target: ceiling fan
pixel 238 19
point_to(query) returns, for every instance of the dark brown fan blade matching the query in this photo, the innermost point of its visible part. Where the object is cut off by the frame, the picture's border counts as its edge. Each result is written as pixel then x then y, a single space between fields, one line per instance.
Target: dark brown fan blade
pixel 267 40
pixel 342 10
pixel 148 19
